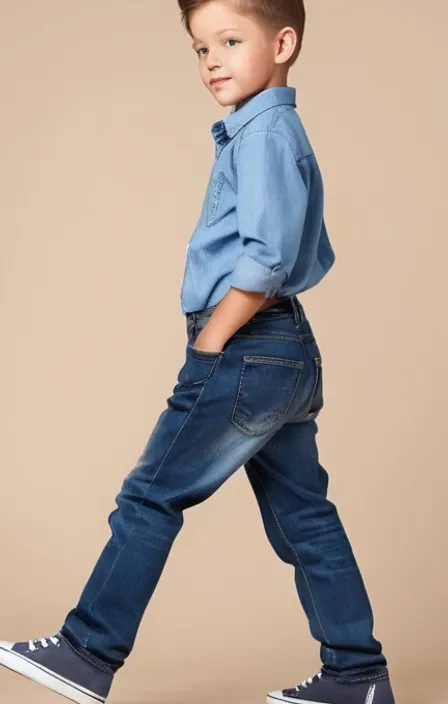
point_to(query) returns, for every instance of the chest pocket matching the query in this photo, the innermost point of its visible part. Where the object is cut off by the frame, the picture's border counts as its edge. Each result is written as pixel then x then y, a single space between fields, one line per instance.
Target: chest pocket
pixel 217 204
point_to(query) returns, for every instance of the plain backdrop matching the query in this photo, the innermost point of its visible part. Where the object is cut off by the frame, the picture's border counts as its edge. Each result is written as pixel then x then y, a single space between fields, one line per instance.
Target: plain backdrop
pixel 105 152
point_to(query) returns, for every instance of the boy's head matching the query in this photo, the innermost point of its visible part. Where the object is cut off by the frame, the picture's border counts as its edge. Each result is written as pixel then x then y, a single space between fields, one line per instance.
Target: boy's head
pixel 251 43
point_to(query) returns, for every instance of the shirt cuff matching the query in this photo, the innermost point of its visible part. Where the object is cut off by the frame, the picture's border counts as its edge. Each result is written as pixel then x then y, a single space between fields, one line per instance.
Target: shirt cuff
pixel 251 275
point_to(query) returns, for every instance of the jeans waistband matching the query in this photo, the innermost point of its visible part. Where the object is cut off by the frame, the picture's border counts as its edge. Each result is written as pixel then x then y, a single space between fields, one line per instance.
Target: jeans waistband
pixel 287 304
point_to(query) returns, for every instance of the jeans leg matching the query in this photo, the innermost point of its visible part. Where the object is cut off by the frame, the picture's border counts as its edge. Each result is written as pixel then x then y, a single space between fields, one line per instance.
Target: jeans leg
pixel 192 450
pixel 305 530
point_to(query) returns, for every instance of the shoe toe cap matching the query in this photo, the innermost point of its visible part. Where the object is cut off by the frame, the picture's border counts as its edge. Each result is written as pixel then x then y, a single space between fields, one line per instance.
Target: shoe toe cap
pixel 6 644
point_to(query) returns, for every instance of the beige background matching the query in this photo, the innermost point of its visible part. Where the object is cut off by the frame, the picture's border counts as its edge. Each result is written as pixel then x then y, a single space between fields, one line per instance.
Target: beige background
pixel 105 154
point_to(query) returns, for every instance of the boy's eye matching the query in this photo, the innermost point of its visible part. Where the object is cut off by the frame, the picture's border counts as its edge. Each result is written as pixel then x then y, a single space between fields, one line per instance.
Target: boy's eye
pixel 203 49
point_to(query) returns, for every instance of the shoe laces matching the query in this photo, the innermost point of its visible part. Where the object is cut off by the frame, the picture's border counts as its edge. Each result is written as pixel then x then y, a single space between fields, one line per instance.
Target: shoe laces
pixel 309 680
pixel 44 642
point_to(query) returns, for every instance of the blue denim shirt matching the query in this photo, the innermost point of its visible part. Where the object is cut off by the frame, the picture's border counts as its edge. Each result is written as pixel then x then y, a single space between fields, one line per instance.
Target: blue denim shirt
pixel 261 226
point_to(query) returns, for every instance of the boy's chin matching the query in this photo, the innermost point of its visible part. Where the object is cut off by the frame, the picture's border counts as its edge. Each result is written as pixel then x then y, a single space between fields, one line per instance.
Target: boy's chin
pixel 224 102
pixel 227 100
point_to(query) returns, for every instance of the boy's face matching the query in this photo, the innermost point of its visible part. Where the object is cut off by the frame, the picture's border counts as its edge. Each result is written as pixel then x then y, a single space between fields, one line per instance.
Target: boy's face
pixel 234 47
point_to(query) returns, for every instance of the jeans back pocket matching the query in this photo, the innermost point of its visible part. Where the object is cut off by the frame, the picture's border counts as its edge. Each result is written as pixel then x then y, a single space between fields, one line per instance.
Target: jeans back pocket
pixel 267 387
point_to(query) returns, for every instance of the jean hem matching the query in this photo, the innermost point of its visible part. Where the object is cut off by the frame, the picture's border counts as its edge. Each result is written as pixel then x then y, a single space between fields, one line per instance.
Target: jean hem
pixel 357 677
pixel 89 657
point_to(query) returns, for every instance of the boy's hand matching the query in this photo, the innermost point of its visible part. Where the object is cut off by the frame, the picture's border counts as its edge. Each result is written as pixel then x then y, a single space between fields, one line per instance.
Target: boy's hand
pixel 234 309
pixel 208 343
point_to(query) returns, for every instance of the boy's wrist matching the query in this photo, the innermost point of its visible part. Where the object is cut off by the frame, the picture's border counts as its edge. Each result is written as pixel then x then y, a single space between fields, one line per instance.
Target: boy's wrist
pixel 209 342
pixel 234 310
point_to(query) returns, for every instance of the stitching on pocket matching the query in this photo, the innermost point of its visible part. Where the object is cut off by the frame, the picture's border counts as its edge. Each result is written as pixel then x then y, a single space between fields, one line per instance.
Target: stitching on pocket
pixel 203 355
pixel 213 203
pixel 258 359
pixel 312 413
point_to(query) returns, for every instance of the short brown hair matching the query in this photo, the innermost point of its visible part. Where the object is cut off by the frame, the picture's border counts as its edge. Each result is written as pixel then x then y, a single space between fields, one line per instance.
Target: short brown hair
pixel 275 14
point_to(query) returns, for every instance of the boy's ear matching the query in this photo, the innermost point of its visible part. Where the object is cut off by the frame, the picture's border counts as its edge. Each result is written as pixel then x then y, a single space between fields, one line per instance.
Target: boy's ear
pixel 286 42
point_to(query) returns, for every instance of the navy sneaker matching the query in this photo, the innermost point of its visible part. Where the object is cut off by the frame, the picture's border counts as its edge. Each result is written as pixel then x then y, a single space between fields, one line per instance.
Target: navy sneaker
pixel 54 663
pixel 319 689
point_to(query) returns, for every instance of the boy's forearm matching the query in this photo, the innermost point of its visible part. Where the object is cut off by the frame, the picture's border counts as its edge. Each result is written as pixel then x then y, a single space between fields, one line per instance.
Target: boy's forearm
pixel 233 311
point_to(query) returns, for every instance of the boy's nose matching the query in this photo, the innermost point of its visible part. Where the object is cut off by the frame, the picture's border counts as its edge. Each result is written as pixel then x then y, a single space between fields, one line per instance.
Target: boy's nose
pixel 213 62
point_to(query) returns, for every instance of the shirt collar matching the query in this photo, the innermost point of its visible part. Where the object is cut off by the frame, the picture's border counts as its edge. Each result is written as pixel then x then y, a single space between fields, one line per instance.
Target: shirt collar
pixel 225 129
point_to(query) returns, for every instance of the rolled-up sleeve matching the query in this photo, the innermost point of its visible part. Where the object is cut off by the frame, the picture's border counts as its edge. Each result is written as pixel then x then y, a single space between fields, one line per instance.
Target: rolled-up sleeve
pixel 270 208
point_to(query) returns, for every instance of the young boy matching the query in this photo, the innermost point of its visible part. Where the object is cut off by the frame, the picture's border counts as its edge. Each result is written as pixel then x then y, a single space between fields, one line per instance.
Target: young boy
pixel 249 391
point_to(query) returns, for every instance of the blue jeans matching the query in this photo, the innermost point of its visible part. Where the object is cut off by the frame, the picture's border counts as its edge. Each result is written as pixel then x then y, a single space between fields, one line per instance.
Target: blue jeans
pixel 254 404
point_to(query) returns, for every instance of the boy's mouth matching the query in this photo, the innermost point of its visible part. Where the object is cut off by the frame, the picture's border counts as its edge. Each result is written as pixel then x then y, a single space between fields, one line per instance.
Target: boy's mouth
pixel 217 82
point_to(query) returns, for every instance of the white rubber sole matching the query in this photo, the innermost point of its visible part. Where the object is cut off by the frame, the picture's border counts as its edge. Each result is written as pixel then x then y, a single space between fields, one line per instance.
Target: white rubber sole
pixel 276 697
pixel 20 664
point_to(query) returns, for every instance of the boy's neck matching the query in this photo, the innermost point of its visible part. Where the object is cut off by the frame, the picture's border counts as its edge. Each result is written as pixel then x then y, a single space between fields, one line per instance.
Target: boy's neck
pixel 278 84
